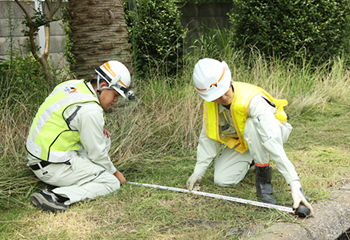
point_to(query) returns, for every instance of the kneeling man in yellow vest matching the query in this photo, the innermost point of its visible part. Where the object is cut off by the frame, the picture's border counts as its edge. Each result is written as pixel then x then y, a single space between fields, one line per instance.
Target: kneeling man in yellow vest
pixel 67 143
pixel 253 126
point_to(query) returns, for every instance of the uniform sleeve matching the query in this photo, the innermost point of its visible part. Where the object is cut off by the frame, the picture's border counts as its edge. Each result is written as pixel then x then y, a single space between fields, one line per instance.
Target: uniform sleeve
pixel 89 122
pixel 206 152
pixel 269 131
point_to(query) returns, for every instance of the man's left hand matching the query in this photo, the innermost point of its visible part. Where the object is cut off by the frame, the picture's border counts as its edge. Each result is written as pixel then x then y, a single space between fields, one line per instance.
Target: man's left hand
pixel 106 133
pixel 120 177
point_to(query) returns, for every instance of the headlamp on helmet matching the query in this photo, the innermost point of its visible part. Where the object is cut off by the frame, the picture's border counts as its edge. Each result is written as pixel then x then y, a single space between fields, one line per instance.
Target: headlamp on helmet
pixel 117 76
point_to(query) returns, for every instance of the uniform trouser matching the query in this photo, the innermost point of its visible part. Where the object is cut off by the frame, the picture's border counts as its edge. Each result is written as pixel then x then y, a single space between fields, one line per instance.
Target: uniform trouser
pixel 264 140
pixel 230 167
pixel 81 180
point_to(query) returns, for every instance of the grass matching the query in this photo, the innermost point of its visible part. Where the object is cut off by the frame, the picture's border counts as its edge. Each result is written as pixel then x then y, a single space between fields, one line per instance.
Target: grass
pixel 154 141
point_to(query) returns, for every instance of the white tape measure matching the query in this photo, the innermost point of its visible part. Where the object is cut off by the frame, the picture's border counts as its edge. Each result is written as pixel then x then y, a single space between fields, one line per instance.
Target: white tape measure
pixel 232 199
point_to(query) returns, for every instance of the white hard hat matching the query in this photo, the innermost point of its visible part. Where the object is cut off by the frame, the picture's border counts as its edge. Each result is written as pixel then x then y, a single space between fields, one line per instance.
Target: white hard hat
pixel 117 75
pixel 211 78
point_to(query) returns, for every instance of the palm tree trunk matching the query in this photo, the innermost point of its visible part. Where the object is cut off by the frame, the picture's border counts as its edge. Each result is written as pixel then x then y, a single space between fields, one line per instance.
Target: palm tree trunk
pixel 99 34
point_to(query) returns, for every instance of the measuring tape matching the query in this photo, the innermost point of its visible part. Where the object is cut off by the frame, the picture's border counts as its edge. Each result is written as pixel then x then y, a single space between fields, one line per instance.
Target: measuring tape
pixel 232 199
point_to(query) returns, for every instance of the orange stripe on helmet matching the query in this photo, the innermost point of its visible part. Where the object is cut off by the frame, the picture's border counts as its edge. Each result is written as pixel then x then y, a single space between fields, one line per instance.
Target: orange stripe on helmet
pixel 108 69
pixel 223 73
pixel 214 84
pixel 122 83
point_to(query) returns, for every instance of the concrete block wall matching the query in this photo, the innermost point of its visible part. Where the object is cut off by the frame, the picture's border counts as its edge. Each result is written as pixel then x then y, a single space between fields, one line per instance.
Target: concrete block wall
pixel 16 19
pixel 57 38
pixel 212 15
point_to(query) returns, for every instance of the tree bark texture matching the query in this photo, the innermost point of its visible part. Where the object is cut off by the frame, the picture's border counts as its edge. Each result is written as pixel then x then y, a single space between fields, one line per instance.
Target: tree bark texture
pixel 99 34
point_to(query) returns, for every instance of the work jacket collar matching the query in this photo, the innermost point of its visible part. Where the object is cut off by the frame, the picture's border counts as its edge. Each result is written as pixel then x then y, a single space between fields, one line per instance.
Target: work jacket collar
pixel 88 84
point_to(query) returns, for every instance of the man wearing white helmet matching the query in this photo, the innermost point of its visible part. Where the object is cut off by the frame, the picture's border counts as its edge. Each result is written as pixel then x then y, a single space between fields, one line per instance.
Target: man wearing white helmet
pixel 253 126
pixel 67 143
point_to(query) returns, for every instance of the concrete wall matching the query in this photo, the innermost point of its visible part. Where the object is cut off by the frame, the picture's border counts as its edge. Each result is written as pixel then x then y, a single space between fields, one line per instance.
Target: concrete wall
pixel 57 38
pixel 194 16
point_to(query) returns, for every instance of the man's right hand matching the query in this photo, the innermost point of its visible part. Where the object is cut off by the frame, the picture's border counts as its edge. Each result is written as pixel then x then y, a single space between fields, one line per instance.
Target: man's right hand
pixel 193 182
pixel 120 177
pixel 298 196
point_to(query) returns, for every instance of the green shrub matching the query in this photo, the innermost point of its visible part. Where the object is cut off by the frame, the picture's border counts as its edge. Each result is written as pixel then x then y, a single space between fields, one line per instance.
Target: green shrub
pixel 204 1
pixel 317 29
pixel 23 77
pixel 213 43
pixel 156 36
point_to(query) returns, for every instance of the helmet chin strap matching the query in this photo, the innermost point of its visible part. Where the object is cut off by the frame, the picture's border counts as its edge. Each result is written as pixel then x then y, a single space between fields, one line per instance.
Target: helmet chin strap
pixel 98 87
pixel 129 93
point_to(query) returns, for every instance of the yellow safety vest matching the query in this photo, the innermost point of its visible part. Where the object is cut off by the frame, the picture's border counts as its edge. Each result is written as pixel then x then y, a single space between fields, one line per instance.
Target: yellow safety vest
pixel 243 94
pixel 50 137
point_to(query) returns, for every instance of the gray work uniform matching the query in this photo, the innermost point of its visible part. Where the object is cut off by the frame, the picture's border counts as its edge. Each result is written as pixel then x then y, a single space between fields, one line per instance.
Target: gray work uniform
pixel 264 135
pixel 90 173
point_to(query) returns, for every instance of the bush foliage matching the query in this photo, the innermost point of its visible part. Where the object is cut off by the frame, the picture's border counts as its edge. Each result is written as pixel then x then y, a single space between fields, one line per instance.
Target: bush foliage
pixel 204 1
pixel 319 29
pixel 156 36
pixel 23 75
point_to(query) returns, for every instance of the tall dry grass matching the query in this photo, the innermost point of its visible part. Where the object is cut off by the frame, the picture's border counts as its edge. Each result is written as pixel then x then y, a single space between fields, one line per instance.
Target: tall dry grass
pixel 165 119
pixel 16 116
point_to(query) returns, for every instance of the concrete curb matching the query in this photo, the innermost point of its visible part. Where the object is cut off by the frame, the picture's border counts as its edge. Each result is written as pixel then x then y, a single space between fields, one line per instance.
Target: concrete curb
pixel 330 221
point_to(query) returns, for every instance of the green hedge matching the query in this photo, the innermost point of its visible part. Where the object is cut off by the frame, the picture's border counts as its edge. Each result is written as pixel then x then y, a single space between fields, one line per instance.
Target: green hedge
pixel 156 36
pixel 204 1
pixel 317 28
pixel 23 79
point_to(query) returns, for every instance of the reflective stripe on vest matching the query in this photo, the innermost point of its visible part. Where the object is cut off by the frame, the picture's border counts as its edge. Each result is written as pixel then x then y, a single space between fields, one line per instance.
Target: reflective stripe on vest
pixel 244 93
pixel 50 138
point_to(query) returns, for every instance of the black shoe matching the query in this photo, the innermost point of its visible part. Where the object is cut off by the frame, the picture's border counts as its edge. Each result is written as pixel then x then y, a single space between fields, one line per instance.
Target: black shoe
pixel 264 189
pixel 267 198
pixel 47 201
